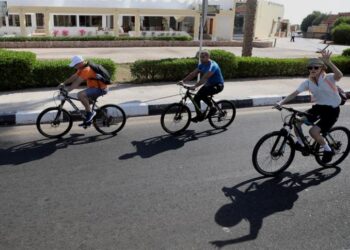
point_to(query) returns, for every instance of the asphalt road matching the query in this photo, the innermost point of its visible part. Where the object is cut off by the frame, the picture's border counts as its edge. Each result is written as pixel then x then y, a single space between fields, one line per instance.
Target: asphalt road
pixel 144 189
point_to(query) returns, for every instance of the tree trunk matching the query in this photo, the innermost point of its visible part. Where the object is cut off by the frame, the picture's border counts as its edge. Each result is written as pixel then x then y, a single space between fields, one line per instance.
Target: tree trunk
pixel 249 24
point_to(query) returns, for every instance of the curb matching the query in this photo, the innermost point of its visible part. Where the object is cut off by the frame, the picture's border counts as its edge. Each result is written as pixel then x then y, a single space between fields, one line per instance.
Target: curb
pixel 143 109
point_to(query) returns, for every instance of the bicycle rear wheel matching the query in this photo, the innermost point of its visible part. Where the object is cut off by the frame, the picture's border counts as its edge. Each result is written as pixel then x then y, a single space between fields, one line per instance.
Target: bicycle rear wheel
pixel 273 153
pixel 54 122
pixel 175 118
pixel 338 139
pixel 109 120
pixel 224 116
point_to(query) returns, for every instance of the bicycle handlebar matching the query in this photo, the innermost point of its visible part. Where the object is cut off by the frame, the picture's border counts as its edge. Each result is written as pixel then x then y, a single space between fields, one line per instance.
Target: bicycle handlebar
pixel 280 108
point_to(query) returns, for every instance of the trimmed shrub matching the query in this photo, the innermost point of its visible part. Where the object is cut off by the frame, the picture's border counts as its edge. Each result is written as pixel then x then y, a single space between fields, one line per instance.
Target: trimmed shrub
pixel 263 67
pixel 343 63
pixel 346 52
pixel 16 68
pixel 93 38
pixel 20 70
pixel 176 69
pixel 163 70
pixel 341 34
pixel 49 73
pixel 227 62
pixel 341 20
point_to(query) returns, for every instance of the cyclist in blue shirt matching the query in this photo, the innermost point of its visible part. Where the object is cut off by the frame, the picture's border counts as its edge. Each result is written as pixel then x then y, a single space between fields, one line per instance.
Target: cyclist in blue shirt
pixel 212 80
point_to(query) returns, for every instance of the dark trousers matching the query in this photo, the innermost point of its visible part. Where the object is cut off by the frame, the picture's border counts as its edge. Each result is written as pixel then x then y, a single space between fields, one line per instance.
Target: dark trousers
pixel 206 91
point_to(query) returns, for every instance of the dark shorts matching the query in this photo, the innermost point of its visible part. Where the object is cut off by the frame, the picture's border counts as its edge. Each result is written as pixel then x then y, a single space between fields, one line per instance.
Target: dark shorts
pixel 324 116
pixel 93 93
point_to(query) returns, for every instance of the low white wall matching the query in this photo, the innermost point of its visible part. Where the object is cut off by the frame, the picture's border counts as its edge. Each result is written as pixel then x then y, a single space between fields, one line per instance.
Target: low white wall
pixel 267 12
pixel 224 27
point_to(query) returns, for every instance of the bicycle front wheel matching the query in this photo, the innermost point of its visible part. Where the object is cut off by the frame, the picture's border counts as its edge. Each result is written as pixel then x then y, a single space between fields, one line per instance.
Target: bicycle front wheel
pixel 273 153
pixel 109 119
pixel 224 116
pixel 338 139
pixel 54 122
pixel 175 118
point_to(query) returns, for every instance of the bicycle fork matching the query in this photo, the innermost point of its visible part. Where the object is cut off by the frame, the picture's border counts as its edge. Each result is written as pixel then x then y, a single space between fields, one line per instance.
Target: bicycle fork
pixel 284 132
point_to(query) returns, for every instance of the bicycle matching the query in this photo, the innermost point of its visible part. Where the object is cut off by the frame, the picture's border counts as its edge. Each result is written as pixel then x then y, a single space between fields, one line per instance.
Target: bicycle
pixel 177 116
pixel 275 151
pixel 55 122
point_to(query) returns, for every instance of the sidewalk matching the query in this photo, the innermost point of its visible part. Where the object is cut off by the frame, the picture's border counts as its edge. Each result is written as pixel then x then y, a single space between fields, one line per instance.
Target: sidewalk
pixel 22 107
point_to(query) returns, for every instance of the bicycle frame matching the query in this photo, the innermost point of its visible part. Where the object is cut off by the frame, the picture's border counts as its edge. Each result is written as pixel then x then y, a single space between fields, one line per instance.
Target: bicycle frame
pixel 191 95
pixel 70 99
pixel 292 123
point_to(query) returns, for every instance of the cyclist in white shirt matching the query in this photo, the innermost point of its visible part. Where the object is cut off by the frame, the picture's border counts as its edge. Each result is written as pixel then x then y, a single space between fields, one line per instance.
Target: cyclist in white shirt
pixel 324 90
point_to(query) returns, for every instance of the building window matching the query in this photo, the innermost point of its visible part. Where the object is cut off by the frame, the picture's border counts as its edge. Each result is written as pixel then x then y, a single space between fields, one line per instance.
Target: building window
pixel 64 21
pixel 28 20
pixel 3 21
pixel 90 21
pixel 14 20
pixel 110 22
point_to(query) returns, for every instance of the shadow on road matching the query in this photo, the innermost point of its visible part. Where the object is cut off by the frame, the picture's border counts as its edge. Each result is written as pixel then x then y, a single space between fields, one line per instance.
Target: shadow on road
pixel 156 145
pixel 35 150
pixel 255 199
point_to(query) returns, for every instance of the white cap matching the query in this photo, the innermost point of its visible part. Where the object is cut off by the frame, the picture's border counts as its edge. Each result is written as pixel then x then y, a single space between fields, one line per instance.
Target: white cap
pixel 76 60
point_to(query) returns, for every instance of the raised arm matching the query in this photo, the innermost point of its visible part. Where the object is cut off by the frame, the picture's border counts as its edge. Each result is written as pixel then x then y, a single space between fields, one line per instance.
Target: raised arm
pixel 326 57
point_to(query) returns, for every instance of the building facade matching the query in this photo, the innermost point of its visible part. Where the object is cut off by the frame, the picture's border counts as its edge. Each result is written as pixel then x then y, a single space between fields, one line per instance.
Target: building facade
pixel 117 17
pixel 269 20
pixel 136 18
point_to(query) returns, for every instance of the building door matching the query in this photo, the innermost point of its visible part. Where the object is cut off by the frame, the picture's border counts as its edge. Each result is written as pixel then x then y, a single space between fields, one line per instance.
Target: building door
pixel 39 20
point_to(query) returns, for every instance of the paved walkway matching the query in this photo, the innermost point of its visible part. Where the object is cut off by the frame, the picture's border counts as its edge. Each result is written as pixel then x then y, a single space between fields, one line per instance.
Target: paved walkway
pixel 284 49
pixel 154 94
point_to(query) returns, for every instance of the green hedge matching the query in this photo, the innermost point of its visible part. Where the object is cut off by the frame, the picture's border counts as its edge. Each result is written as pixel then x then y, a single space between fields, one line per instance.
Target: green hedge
pixel 163 70
pixel 21 70
pixel 176 69
pixel 343 63
pixel 16 69
pixel 341 34
pixel 48 73
pixel 93 38
pixel 264 67
pixel 346 52
pixel 232 67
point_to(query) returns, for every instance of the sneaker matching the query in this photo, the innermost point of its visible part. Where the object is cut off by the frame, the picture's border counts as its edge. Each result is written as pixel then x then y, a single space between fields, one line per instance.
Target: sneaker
pixel 327 156
pixel 212 111
pixel 90 116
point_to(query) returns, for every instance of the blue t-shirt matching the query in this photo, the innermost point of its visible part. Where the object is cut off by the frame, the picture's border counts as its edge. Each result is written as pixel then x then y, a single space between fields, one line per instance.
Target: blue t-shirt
pixel 212 66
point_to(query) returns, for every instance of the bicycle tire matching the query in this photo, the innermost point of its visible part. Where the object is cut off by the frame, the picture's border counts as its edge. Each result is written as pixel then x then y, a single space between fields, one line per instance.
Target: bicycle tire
pixel 40 122
pixel 222 113
pixel 346 152
pixel 288 141
pixel 117 117
pixel 175 112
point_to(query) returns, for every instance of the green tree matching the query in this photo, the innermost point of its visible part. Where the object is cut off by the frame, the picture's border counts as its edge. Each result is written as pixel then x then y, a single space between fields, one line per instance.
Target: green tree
pixel 341 34
pixel 319 19
pixel 249 24
pixel 308 21
pixel 341 20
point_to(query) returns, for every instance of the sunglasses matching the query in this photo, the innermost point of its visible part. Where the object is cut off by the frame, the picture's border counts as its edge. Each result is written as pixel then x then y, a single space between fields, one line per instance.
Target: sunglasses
pixel 313 67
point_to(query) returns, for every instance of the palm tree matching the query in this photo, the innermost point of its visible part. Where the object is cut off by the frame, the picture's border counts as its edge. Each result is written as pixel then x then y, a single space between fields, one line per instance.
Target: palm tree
pixel 249 24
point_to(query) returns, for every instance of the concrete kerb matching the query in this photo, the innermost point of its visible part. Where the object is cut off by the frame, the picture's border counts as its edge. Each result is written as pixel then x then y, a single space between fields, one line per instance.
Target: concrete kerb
pixel 144 109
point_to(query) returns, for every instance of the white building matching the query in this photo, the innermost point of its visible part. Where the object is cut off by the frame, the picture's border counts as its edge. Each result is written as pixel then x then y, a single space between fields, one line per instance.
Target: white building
pixel 133 17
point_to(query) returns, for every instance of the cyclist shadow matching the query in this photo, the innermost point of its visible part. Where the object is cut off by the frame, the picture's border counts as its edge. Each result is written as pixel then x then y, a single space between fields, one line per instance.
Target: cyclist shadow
pixel 262 199
pixel 38 149
pixel 156 145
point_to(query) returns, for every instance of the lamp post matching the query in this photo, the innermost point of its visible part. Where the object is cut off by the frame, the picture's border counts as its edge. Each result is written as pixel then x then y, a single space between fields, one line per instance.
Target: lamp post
pixel 203 20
